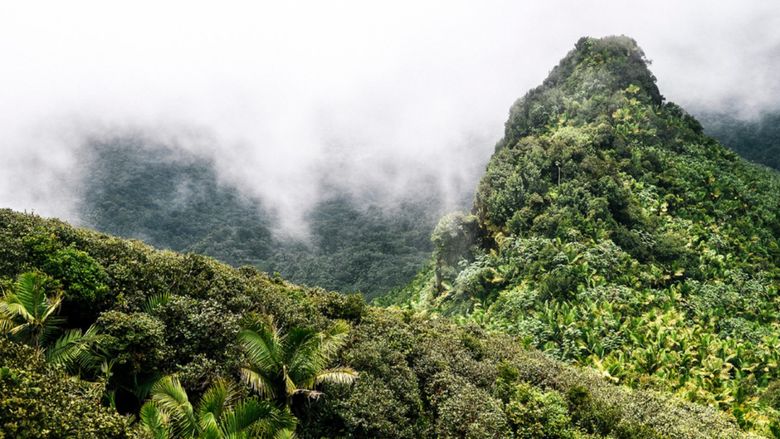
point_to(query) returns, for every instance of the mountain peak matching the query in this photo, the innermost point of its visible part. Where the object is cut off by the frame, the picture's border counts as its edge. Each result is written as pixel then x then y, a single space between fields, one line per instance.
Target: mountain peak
pixel 605 211
pixel 618 56
pixel 595 68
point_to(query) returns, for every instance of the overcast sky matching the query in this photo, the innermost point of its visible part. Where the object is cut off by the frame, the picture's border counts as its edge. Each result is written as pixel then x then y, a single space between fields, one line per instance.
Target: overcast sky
pixel 272 91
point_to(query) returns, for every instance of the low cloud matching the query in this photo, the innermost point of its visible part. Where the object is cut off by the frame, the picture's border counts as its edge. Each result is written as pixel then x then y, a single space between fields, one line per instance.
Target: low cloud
pixel 364 97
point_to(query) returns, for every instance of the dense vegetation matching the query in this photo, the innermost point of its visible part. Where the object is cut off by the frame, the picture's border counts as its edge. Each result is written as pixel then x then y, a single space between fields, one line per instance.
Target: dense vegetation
pixel 609 231
pixel 172 199
pixel 756 139
pixel 195 348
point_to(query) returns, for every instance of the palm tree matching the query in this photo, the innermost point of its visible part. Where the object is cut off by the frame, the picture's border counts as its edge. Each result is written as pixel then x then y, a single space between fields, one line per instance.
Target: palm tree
pixel 281 366
pixel 79 351
pixel 27 313
pixel 219 414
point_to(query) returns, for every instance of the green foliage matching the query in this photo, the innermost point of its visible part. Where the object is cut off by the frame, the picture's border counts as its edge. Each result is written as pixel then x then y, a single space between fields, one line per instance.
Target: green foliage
pixel 756 139
pixel 77 350
pixel 616 235
pixel 420 377
pixel 83 281
pixel 612 264
pixel 468 411
pixel 27 313
pixel 283 366
pixel 81 277
pixel 135 341
pixel 358 245
pixel 40 401
pixel 139 355
pixel 173 199
pixel 454 240
pixel 536 414
pixel 220 413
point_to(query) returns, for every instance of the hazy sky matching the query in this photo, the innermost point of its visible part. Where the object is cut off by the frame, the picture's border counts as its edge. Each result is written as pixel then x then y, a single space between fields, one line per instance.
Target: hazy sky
pixel 275 91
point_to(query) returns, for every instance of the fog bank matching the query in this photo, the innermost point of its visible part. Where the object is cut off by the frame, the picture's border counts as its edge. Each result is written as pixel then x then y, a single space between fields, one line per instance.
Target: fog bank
pixel 373 96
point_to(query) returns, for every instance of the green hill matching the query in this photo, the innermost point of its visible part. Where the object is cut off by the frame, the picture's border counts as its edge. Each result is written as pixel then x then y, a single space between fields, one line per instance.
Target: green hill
pixel 617 278
pixel 172 199
pixel 756 139
pixel 609 231
pixel 157 313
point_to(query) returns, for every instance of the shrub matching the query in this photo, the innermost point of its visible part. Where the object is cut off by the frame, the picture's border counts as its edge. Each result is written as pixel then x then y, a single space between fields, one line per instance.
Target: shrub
pixel 43 402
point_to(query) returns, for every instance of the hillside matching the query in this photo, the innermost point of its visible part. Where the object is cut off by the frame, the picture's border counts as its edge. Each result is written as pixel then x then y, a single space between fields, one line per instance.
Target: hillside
pixel 756 139
pixel 609 231
pixel 173 199
pixel 154 313
pixel 617 277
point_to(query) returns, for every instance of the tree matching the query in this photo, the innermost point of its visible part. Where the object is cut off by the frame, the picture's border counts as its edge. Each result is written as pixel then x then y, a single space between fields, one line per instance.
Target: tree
pixel 219 414
pixel 282 366
pixel 27 313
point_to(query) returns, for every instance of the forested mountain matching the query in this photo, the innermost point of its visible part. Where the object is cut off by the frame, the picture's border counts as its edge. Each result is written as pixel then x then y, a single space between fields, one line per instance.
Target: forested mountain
pixel 609 231
pixel 756 139
pixel 617 277
pixel 173 199
pixel 170 198
pixel 99 328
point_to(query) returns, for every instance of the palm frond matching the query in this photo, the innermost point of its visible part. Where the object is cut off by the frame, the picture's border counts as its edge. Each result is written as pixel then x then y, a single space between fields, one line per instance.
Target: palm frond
pixel 75 350
pixel 289 385
pixel 334 339
pixel 285 434
pixel 156 300
pixel 337 375
pixel 28 294
pixel 218 397
pixel 68 349
pixel 27 312
pixel 52 306
pixel 258 382
pixel 6 317
pixel 209 427
pixel 141 388
pixel 303 359
pixel 261 347
pixel 18 329
pixel 262 323
pixel 258 418
pixel 171 398
pixel 49 328
pixel 17 310
pixel 154 421
pixel 6 323
pixel 245 415
pixel 294 363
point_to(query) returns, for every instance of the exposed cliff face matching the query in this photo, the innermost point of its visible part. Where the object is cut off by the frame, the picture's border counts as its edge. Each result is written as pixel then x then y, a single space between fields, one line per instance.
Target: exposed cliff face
pixel 614 233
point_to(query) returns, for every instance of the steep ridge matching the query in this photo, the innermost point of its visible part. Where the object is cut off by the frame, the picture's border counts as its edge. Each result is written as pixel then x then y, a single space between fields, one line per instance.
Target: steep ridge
pixel 609 231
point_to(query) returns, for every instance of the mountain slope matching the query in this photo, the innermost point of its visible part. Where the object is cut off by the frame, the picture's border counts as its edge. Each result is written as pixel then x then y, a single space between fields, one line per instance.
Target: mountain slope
pixel 159 313
pixel 756 139
pixel 609 231
pixel 173 199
